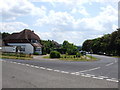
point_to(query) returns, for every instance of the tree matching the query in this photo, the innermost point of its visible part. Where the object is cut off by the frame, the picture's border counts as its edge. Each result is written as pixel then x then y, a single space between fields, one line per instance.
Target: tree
pixel 5 34
pixel 108 43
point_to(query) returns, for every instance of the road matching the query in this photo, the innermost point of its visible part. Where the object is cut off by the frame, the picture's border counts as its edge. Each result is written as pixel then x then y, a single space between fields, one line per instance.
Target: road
pixel 44 73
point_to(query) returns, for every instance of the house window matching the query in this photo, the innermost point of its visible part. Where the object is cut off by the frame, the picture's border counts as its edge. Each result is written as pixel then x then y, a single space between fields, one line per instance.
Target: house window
pixel 37 49
pixel 33 41
pixel 22 48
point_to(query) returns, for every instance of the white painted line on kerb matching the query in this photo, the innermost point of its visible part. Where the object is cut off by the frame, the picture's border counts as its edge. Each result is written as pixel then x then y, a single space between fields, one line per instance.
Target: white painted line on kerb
pixel 57 70
pixel 49 69
pixel 109 64
pixel 91 69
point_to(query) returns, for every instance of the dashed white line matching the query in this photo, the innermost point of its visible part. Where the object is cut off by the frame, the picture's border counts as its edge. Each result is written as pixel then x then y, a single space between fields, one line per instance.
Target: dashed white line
pixel 97 77
pixel 91 69
pixel 18 63
pixel 64 72
pixel 32 65
pixel 49 69
pixel 109 64
pixel 57 70
pixel 76 73
pixel 42 68
pixel 86 75
pixel 36 66
pixel 73 73
pixel 27 65
pixel 22 64
pixel 113 80
pixel 103 77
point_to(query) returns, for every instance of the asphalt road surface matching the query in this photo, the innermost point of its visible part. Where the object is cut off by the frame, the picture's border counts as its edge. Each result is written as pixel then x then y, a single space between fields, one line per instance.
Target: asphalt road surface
pixel 45 73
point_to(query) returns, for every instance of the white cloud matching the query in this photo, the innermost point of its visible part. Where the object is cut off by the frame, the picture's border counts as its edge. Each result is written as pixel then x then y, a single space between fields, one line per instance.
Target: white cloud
pixel 80 10
pixel 102 22
pixel 10 9
pixel 56 19
pixel 71 36
pixel 12 26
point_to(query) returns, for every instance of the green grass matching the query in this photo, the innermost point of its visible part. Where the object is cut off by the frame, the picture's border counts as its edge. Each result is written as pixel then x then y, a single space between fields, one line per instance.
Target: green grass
pixel 116 56
pixel 15 56
pixel 73 58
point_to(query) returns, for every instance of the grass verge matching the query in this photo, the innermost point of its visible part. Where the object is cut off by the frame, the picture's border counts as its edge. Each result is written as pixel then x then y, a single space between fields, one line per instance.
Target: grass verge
pixel 73 58
pixel 15 56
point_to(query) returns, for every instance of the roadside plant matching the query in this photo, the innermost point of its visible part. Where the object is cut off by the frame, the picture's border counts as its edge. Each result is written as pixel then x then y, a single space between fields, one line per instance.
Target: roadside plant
pixel 54 54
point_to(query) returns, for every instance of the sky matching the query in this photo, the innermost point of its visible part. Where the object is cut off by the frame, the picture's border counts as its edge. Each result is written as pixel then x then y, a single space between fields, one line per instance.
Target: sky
pixel 59 20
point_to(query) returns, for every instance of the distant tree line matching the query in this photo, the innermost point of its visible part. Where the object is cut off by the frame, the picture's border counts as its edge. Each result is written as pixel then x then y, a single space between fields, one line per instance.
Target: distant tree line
pixel 108 44
pixel 64 48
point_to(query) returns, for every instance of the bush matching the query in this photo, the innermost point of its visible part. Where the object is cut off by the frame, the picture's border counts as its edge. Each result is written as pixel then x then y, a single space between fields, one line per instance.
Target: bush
pixel 54 54
pixel 78 54
pixel 36 53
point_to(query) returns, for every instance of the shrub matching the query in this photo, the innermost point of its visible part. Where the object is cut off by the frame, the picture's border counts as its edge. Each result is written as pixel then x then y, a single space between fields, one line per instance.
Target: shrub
pixel 54 54
pixel 78 54
pixel 36 53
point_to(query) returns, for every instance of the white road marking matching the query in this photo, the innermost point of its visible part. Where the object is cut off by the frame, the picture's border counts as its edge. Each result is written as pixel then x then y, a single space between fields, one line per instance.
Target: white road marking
pixel 103 77
pixel 42 68
pixel 91 69
pixel 64 72
pixel 113 80
pixel 36 67
pixel 75 73
pixel 27 65
pixel 90 75
pixel 22 64
pixel 32 65
pixel 49 69
pixel 57 70
pixel 15 62
pixel 18 63
pixel 109 64
pixel 72 73
pixel 97 77
pixel 85 75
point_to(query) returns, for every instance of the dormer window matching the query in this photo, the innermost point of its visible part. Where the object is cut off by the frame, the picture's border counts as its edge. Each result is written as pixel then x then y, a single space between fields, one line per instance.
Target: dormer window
pixel 34 41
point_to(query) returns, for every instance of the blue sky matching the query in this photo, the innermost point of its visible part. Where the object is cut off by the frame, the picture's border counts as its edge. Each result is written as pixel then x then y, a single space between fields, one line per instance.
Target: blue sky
pixel 59 20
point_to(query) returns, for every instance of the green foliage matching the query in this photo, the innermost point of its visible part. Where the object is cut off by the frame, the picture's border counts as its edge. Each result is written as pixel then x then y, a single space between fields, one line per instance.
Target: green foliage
pixel 108 44
pixel 5 34
pixel 49 46
pixel 54 54
pixel 36 53
pixel 69 48
pixel 78 54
